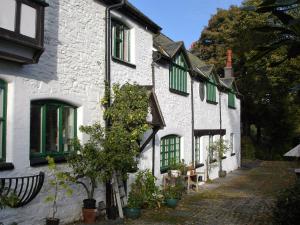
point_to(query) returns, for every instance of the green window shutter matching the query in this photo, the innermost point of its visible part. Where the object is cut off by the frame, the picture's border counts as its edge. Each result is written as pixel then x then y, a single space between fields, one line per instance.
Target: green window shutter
pixel 211 92
pixel 178 75
pixel 231 100
pixel 3 115
pixel 169 151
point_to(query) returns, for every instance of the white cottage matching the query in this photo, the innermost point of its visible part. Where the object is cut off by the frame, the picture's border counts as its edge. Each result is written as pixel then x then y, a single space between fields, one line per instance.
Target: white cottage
pixel 54 60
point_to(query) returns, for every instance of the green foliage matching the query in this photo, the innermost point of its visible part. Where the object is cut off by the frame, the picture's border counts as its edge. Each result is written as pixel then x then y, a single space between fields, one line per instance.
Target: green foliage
pixel 58 181
pixel 181 166
pixel 220 147
pixel 87 159
pixel 10 200
pixel 268 102
pixel 144 191
pixel 287 207
pixel 115 148
pixel 247 148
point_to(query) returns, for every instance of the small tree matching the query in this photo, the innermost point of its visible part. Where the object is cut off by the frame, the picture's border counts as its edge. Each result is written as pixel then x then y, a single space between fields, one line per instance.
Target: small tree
pixel 88 161
pixel 219 147
pixel 58 181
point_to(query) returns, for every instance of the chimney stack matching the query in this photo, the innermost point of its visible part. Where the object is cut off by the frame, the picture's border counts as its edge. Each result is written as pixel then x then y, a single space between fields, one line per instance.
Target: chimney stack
pixel 228 71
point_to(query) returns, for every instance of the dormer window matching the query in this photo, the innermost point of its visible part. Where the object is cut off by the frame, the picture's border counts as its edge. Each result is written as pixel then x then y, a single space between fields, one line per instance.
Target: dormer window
pixel 22 30
pixel 120 41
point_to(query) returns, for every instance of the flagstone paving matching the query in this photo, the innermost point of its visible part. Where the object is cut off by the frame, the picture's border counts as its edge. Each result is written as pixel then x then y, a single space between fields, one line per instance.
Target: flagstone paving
pixel 245 197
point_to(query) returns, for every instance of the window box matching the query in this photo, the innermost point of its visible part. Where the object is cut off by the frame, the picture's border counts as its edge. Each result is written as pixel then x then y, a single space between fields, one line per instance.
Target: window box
pixel 22 30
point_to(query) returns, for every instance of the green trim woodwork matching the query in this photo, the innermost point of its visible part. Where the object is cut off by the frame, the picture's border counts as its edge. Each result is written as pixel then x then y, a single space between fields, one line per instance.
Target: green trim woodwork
pixel 178 75
pixel 53 125
pixel 120 41
pixel 231 100
pixel 169 151
pixel 3 115
pixel 211 93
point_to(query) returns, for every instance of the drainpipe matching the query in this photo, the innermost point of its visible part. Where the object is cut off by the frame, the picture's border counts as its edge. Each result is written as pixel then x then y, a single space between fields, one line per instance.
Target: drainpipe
pixel 109 192
pixel 220 109
pixel 193 120
pixel 108 44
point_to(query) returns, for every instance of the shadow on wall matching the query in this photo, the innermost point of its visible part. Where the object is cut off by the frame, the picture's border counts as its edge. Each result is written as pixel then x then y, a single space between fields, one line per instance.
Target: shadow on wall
pixel 46 69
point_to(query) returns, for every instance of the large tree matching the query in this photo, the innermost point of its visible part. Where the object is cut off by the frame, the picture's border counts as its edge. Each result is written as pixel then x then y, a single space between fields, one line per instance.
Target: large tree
pixel 268 102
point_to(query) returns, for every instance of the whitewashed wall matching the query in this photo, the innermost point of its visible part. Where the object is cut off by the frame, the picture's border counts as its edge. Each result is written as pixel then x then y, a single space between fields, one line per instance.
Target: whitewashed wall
pixel 207 116
pixel 71 69
pixel 177 113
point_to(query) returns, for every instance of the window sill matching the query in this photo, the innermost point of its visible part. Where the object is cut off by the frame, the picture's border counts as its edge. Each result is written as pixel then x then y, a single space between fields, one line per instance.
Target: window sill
pixel 164 170
pixel 198 165
pixel 212 161
pixel 231 107
pixel 212 102
pixel 224 157
pixel 6 166
pixel 232 154
pixel 40 161
pixel 179 92
pixel 117 60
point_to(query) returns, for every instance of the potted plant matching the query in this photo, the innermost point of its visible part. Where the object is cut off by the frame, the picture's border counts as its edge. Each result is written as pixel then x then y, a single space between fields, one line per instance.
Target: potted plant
pixel 171 196
pixel 57 180
pixel 135 201
pixel 87 163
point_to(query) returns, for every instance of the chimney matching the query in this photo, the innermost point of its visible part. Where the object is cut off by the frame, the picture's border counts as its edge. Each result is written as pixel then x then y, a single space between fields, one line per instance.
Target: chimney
pixel 228 71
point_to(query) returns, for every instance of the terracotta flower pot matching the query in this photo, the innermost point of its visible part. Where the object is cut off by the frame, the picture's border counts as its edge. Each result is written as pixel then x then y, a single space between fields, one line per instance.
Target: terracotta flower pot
pixel 89 215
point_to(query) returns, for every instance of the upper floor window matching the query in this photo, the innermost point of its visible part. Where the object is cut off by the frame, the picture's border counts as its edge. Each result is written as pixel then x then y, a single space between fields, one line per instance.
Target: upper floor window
pixel 178 75
pixel 52 127
pixel 120 41
pixel 3 99
pixel 169 151
pixel 231 100
pixel 211 91
pixel 22 30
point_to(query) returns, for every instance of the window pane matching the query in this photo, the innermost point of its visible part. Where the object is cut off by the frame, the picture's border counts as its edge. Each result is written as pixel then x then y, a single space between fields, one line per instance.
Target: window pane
pixel 7 14
pixel 35 129
pixel 52 129
pixel 1 102
pixel 28 21
pixel 1 141
pixel 68 129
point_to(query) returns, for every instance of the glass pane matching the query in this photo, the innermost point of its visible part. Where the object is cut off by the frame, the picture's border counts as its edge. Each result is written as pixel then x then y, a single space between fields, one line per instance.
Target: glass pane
pixel 1 102
pixel 1 144
pixel 35 129
pixel 8 14
pixel 28 21
pixel 68 127
pixel 52 129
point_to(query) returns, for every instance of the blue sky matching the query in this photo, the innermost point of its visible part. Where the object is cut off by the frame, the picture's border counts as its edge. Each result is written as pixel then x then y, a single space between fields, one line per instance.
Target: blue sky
pixel 182 20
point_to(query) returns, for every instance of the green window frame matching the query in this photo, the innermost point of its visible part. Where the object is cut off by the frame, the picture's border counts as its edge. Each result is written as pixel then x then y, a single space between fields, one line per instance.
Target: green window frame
pixel 198 150
pixel 169 151
pixel 231 100
pixel 178 75
pixel 3 119
pixel 211 92
pixel 53 125
pixel 120 41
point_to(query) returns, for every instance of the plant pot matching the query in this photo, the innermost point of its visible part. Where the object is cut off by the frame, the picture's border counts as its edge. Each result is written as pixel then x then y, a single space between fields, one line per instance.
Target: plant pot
pixel 52 221
pixel 112 213
pixel 222 173
pixel 171 202
pixel 89 215
pixel 89 203
pixel 174 173
pixel 132 213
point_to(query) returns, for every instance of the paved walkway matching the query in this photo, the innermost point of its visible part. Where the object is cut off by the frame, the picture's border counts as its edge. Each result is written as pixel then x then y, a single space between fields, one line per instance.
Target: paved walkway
pixel 245 197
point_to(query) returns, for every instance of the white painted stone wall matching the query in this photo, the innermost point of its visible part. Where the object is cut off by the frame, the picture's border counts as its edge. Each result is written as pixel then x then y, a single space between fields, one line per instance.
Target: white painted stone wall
pixel 177 113
pixel 207 116
pixel 71 69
